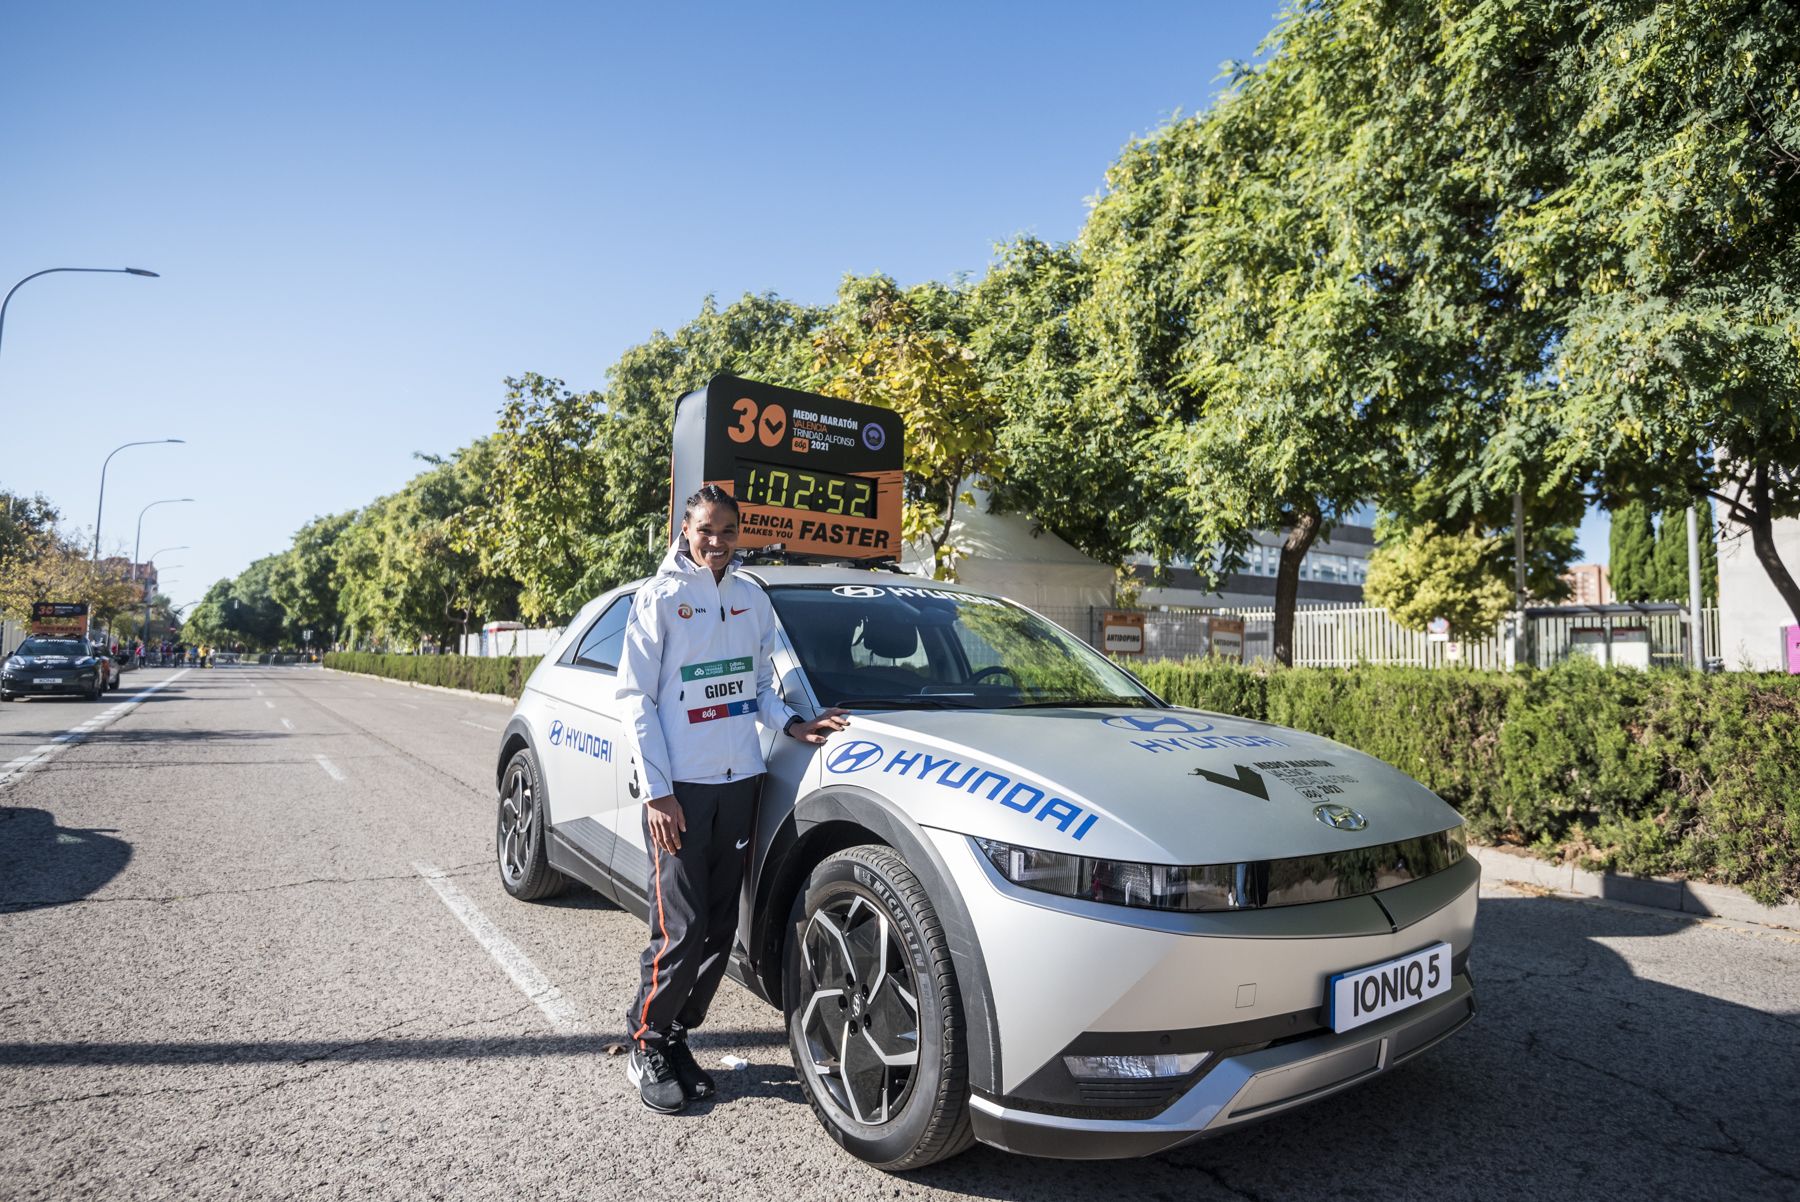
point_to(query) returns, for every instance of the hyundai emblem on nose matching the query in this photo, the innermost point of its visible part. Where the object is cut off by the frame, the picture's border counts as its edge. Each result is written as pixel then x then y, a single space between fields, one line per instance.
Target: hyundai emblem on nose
pixel 1339 818
pixel 854 757
pixel 1168 724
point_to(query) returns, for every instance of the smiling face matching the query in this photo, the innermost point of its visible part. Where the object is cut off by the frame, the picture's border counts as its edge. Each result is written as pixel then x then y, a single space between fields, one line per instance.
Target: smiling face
pixel 711 534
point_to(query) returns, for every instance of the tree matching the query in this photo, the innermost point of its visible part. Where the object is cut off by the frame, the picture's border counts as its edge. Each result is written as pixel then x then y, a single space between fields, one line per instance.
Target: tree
pixel 1426 573
pixel 1656 220
pixel 890 347
pixel 301 580
pixel 579 497
pixel 38 563
pixel 1671 558
pixel 1632 567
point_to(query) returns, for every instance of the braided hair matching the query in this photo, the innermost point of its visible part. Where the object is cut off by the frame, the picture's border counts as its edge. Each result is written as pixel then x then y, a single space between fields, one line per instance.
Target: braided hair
pixel 710 494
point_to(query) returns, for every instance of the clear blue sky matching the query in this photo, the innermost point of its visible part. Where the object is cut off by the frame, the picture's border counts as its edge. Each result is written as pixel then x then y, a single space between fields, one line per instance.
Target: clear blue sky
pixel 367 216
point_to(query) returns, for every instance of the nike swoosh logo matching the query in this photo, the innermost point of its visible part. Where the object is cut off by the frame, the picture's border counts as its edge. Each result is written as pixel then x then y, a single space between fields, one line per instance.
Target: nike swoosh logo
pixel 735 611
pixel 742 844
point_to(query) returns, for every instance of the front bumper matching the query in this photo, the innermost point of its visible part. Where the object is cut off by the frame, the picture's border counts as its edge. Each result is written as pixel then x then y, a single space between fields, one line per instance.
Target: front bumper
pixel 1237 1090
pixel 70 683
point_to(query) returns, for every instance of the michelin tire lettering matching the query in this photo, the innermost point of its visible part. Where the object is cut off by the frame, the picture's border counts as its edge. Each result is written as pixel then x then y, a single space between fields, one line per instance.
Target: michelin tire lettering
pixel 972 778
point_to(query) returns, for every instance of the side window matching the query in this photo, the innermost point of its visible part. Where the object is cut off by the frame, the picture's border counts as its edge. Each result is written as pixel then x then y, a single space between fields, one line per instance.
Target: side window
pixel 601 646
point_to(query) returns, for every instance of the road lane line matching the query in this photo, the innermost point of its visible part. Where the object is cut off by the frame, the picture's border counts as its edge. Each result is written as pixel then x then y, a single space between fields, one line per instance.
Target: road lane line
pixel 494 730
pixel 270 704
pixel 532 983
pixel 288 722
pixel 19 765
pixel 331 769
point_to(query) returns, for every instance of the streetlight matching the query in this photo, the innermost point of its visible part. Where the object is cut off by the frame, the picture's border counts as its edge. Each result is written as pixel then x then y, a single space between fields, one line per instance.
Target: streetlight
pixel 139 546
pixel 34 275
pixel 102 507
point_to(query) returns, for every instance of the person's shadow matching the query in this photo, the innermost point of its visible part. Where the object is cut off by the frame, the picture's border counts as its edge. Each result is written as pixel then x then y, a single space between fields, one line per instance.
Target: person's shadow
pixel 43 864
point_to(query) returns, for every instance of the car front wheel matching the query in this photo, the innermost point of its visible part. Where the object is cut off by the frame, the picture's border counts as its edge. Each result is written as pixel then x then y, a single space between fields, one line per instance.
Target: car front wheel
pixel 874 1017
pixel 525 870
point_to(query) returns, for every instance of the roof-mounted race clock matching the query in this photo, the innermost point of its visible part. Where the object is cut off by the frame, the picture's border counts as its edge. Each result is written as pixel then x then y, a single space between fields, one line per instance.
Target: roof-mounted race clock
pixel 820 476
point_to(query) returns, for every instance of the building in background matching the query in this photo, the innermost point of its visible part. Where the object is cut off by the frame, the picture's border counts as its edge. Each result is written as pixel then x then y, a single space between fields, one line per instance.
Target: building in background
pixel 1753 619
pixel 1333 573
pixel 1588 585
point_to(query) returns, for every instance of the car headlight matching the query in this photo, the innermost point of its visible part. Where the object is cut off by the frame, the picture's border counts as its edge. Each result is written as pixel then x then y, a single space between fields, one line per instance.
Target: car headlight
pixel 17 661
pixel 86 661
pixel 1254 884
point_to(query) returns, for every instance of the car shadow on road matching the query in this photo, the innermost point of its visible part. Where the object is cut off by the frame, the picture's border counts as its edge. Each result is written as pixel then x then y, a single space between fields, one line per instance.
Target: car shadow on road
pixel 43 864
pixel 1578 1079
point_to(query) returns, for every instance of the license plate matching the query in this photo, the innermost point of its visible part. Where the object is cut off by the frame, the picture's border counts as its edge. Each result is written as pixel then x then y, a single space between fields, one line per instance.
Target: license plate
pixel 49 680
pixel 1366 994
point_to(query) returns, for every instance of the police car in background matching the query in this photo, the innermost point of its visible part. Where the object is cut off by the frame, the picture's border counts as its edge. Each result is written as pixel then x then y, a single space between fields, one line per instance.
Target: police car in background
pixel 1022 900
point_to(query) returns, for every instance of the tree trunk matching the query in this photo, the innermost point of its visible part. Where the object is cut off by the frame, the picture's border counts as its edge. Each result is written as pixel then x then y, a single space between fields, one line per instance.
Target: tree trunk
pixel 1287 582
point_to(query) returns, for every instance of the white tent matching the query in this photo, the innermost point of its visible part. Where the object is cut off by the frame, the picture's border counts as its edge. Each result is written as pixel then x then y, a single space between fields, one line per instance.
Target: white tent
pixel 1009 554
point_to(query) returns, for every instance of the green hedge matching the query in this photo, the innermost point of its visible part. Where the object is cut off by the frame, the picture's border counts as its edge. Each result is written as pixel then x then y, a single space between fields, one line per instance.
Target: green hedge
pixel 1657 773
pixel 501 674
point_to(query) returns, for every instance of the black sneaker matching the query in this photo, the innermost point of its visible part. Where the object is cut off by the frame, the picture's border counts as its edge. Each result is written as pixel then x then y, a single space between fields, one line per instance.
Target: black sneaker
pixel 696 1083
pixel 654 1076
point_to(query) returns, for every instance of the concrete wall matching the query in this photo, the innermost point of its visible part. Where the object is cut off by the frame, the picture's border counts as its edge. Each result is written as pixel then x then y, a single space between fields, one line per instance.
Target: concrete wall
pixel 1751 612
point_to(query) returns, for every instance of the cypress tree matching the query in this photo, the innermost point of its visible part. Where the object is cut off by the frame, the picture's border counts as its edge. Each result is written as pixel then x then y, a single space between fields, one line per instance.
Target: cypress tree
pixel 1669 563
pixel 1633 548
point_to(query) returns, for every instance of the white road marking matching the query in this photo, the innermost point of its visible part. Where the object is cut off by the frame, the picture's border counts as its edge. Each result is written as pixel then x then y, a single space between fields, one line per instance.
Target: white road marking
pixel 331 769
pixel 288 722
pixel 480 726
pixel 532 983
pixel 409 705
pixel 270 704
pixel 17 766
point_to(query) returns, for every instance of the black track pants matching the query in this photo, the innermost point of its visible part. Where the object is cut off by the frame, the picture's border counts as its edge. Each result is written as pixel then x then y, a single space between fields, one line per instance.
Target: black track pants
pixel 693 907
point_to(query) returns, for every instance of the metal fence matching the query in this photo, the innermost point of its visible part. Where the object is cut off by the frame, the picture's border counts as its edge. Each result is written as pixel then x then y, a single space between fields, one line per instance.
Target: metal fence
pixel 1341 636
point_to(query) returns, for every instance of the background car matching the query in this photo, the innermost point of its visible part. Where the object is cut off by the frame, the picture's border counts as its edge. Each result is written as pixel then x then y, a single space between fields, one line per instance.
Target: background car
pixel 46 665
pixel 1022 899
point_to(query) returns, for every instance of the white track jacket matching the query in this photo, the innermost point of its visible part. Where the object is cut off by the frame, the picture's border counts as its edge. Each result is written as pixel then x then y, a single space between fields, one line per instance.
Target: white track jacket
pixel 696 674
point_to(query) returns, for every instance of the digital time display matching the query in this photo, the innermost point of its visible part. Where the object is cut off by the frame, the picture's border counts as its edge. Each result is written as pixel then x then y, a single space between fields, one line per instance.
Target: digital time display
pixel 804 488
pixel 820 478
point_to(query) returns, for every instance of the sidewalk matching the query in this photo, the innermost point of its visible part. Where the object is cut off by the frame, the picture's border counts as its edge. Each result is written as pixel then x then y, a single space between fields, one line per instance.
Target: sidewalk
pixel 1663 893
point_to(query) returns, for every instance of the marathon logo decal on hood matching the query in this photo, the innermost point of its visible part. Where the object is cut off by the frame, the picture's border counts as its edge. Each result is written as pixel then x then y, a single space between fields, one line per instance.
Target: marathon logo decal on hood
pixel 580 741
pixel 1182 733
pixel 949 773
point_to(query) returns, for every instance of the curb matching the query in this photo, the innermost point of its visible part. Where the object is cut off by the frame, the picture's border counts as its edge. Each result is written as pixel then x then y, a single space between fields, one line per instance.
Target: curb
pixel 496 698
pixel 1660 892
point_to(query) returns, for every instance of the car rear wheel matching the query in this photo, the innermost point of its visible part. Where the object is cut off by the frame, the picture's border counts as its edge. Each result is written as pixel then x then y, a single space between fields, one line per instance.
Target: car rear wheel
pixel 874 1016
pixel 525 870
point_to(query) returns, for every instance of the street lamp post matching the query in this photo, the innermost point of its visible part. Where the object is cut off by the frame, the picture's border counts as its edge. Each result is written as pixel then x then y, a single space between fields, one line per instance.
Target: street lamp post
pixel 139 546
pixel 102 506
pixel 48 270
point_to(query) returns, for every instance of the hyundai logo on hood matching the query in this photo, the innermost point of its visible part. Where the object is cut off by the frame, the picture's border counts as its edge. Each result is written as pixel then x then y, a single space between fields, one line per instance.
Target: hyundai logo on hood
pixel 854 757
pixel 1158 724
pixel 1339 818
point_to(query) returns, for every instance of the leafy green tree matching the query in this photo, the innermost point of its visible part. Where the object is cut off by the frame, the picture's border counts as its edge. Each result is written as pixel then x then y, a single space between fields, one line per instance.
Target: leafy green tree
pixel 1632 568
pixel 1428 573
pixel 1671 559
pixel 889 347
pixel 301 581
pixel 580 483
pixel 405 571
pixel 1649 150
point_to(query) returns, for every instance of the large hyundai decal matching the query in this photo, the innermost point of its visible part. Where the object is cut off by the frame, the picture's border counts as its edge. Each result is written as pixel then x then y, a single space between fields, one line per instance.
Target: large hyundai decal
pixel 949 773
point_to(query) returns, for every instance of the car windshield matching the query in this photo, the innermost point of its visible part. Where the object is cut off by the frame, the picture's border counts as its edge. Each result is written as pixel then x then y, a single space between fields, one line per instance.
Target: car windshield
pixel 51 647
pixel 919 646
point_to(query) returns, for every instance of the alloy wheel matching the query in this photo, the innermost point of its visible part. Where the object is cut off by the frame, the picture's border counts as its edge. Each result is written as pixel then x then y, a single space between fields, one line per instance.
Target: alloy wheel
pixel 518 820
pixel 861 1016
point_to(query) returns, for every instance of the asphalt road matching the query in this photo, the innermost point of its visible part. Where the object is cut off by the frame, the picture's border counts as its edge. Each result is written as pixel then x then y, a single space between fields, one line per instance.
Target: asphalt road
pixel 224 971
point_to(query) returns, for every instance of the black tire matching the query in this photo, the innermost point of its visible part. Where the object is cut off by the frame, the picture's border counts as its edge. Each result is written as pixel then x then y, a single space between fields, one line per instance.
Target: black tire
pixel 525 870
pixel 5 697
pixel 864 907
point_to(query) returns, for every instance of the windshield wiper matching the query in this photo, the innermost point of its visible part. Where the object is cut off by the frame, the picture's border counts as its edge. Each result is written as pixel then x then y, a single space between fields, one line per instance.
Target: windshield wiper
pixel 922 701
